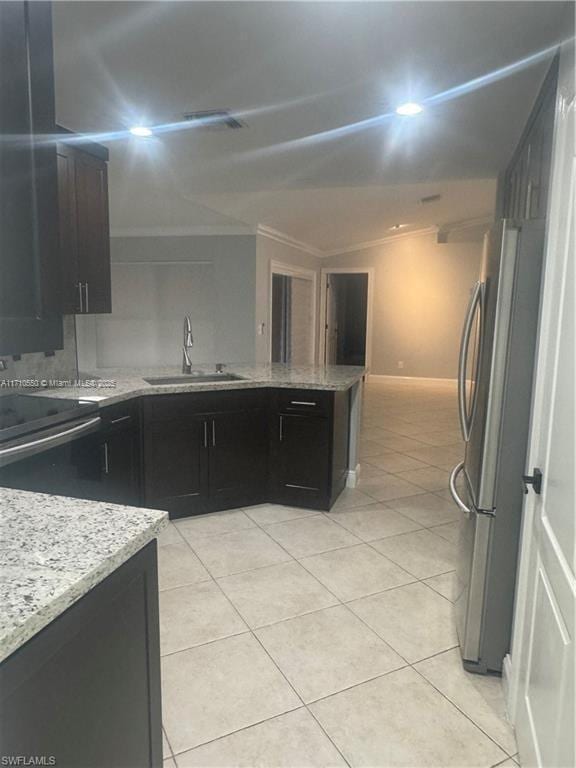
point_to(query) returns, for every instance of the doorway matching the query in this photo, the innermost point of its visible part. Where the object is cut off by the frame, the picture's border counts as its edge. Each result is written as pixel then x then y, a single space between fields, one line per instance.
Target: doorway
pixel 347 316
pixel 293 313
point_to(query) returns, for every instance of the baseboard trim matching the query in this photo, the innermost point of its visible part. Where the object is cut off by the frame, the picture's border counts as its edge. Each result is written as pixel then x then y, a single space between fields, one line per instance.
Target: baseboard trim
pixel 387 376
pixel 353 477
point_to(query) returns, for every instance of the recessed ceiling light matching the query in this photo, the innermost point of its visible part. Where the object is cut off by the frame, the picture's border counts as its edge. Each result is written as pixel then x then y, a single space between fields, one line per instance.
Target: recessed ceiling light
pixel 398 226
pixel 409 109
pixel 141 131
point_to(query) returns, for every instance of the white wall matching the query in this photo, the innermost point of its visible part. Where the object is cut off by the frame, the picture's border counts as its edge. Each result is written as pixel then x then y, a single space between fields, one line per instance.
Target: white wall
pixel 155 282
pixel 421 291
pixel 268 250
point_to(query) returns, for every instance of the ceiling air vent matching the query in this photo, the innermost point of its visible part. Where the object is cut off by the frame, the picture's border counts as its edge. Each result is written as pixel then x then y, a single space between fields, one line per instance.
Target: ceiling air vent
pixel 429 199
pixel 213 120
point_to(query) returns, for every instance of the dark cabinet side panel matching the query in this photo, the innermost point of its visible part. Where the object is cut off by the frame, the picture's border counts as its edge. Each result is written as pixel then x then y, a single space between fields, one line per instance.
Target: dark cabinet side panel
pixel 86 689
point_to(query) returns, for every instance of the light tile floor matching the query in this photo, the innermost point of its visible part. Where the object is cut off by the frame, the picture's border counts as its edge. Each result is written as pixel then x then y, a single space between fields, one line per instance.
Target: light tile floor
pixel 297 639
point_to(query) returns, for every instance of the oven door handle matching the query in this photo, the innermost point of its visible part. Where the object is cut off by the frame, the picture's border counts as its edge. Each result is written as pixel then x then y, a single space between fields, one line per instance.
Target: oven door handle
pixel 35 446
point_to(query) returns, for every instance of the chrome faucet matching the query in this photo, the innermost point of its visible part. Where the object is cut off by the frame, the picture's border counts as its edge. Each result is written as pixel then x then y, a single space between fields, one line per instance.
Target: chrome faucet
pixel 188 344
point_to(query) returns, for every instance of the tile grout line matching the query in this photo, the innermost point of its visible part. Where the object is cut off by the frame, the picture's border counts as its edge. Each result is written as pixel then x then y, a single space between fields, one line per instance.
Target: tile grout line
pixel 292 558
pixel 466 715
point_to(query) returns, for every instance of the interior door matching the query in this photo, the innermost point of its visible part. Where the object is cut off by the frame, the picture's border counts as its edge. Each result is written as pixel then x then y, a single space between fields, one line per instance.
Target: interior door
pixel 542 660
pixel 331 324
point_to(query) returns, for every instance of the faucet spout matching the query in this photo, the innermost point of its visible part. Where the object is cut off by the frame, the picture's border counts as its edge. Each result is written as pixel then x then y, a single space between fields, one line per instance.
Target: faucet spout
pixel 188 343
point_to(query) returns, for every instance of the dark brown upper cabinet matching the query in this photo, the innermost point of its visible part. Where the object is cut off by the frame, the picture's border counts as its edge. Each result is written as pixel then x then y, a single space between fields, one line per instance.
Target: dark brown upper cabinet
pixel 30 288
pixel 523 186
pixel 84 226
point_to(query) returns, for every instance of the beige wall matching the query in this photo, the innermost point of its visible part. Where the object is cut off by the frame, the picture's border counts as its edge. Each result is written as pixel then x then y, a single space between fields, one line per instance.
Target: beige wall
pixel 421 292
pixel 268 250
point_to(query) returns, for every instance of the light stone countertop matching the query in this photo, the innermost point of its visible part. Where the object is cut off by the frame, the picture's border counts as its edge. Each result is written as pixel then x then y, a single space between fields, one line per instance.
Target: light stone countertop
pixel 113 385
pixel 54 549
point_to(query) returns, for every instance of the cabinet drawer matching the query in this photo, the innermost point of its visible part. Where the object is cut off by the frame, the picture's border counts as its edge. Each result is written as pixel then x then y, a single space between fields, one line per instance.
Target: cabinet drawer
pixel 311 402
pixel 187 405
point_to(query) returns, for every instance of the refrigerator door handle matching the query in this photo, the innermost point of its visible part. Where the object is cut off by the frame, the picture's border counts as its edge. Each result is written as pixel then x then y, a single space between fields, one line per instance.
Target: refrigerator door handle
pixel 465 417
pixel 458 501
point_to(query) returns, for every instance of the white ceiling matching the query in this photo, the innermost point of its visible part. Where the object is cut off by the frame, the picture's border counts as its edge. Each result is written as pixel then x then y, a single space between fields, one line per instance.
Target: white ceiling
pixel 296 73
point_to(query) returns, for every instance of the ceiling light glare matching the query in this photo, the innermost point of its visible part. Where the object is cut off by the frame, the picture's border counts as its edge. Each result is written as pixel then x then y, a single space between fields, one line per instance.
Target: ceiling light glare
pixel 410 109
pixel 141 131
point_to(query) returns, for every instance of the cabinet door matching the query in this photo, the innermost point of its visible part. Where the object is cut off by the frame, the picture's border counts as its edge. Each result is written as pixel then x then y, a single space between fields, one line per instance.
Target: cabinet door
pixel 72 300
pixel 238 458
pixel 121 467
pixel 302 458
pixel 29 254
pixel 93 232
pixel 176 466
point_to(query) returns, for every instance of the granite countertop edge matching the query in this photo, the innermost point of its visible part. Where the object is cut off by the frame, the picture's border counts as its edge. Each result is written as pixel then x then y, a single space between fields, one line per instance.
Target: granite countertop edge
pixel 70 584
pixel 116 385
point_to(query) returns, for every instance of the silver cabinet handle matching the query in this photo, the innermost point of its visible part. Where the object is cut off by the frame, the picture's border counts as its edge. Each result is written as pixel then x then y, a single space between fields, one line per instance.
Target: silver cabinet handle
pixel 86 293
pixel 106 467
pixel 213 434
pixel 453 492
pixel 205 434
pixel 465 417
pixel 281 428
pixel 120 419
pixel 59 438
pixel 301 402
pixel 80 297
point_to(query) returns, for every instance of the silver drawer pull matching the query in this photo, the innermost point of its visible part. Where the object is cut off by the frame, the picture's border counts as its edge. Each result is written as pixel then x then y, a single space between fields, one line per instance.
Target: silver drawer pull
pixel 301 402
pixel 119 419
pixel 301 487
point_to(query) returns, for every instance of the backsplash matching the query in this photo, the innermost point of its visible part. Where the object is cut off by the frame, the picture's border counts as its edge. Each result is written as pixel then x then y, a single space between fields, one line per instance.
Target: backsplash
pixel 62 364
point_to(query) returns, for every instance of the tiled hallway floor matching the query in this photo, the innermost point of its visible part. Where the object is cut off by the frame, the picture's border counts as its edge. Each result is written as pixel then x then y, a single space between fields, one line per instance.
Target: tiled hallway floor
pixel 293 638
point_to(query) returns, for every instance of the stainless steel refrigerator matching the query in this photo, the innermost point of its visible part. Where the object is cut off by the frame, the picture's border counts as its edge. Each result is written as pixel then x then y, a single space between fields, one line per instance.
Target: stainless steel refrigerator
pixel 494 395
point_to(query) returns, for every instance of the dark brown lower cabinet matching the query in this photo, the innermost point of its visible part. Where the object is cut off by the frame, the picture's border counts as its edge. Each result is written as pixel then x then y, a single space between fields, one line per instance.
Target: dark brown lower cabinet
pixel 86 689
pixel 308 447
pixel 120 461
pixel 205 451
pixel 238 458
pixel 176 466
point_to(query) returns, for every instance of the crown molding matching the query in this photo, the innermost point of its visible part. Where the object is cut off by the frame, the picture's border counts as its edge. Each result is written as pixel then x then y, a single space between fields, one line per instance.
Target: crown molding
pixel 281 237
pixel 457 226
pixel 381 241
pixel 203 230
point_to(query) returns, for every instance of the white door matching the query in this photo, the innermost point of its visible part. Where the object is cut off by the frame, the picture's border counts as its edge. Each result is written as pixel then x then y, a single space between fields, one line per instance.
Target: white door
pixel 331 330
pixel 542 659
pixel 301 321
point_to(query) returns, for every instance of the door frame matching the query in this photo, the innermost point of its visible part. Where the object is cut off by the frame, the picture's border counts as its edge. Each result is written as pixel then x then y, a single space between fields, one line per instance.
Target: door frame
pixel 290 270
pixel 324 273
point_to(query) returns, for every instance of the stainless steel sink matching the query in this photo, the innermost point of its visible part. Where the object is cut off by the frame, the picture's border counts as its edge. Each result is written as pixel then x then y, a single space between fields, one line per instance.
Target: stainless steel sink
pixel 194 378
